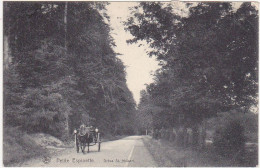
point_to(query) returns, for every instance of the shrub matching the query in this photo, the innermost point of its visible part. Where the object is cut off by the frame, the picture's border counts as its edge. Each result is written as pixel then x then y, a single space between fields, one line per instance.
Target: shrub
pixel 229 140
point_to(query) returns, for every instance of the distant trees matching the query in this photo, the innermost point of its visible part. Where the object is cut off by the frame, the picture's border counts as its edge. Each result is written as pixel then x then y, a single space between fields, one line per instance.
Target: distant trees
pixel 209 59
pixel 61 69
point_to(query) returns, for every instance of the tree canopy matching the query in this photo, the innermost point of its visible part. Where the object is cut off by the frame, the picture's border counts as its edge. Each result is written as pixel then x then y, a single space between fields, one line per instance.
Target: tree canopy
pixel 63 70
pixel 209 58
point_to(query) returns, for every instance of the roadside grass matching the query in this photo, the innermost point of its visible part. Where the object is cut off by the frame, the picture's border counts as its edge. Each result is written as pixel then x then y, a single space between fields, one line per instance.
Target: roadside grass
pixel 19 146
pixel 168 155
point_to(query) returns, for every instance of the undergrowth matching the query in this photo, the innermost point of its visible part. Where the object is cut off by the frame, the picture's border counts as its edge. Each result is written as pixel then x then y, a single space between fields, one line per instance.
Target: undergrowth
pixel 18 147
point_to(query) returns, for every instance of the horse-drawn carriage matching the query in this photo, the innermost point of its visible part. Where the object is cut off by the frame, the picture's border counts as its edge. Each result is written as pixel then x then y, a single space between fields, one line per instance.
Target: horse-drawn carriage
pixel 86 136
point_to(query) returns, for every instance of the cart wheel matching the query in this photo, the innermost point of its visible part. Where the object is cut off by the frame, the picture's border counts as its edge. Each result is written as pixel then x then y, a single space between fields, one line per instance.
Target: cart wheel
pixel 99 145
pixel 99 142
pixel 77 147
pixel 76 142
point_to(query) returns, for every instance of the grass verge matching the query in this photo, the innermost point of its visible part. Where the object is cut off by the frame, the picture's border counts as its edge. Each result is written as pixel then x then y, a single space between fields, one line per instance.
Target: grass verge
pixel 168 155
pixel 19 146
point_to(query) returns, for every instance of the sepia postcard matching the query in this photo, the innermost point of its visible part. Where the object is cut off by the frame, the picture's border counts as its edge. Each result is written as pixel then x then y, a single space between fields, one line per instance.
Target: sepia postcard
pixel 130 84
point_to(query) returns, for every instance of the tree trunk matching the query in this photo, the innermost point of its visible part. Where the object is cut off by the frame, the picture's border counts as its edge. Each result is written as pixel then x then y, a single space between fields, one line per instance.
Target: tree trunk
pixel 7 55
pixel 195 135
pixel 65 24
pixel 185 137
pixel 203 134
pixel 181 136
pixel 67 125
pixel 115 129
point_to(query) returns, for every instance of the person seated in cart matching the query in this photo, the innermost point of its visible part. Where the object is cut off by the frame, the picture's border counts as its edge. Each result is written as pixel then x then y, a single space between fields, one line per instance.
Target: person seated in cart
pixel 82 130
pixel 94 132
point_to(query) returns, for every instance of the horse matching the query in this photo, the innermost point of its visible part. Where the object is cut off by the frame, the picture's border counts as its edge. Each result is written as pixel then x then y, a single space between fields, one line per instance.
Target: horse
pixel 84 136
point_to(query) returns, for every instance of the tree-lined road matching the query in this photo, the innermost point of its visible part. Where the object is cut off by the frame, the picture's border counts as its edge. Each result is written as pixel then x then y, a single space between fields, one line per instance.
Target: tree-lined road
pixel 126 152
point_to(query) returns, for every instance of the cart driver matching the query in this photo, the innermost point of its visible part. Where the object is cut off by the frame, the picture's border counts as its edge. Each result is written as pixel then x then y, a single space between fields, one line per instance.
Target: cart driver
pixel 93 132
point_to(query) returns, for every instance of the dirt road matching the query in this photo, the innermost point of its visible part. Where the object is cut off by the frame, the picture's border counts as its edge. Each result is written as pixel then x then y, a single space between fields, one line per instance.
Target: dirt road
pixel 126 152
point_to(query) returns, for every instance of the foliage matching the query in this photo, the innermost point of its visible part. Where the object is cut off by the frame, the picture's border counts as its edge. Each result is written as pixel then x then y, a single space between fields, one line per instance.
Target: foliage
pixel 208 58
pixel 229 139
pixel 248 120
pixel 64 71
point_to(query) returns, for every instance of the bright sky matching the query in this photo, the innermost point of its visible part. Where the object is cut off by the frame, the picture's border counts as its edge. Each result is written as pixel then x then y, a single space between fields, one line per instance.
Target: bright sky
pixel 138 64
